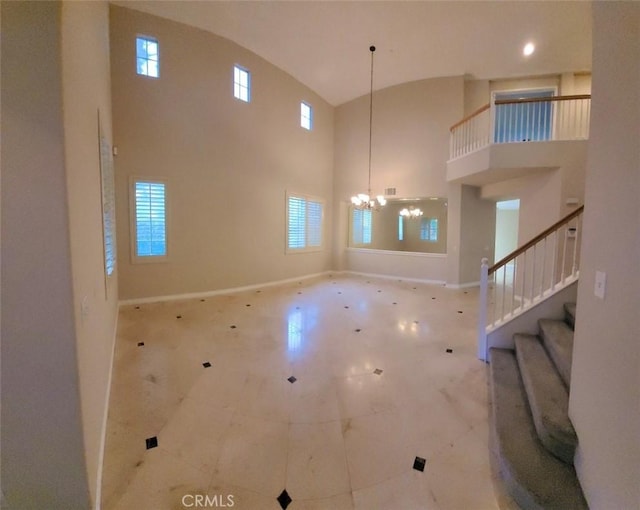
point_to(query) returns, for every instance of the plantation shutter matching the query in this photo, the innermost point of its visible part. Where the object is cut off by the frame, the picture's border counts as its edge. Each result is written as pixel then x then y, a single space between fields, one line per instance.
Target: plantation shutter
pixel 297 221
pixel 151 232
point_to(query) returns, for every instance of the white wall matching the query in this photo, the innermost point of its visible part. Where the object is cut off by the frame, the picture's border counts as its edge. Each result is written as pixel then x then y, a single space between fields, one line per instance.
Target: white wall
pixel 228 163
pixel 43 463
pixel 605 385
pixel 86 88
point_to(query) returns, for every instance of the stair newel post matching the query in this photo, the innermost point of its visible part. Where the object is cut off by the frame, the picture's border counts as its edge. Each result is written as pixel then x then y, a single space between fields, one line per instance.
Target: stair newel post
pixel 483 351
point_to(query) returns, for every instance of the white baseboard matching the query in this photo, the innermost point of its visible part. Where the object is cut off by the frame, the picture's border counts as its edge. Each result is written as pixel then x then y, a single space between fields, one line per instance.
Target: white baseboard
pixel 210 293
pixel 393 277
pixel 458 286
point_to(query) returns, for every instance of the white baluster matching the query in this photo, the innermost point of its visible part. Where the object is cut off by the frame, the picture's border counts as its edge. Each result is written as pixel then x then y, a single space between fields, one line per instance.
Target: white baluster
pixel 483 349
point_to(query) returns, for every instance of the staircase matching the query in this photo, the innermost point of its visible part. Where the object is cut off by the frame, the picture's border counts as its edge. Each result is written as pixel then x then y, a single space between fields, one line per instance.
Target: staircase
pixel 532 436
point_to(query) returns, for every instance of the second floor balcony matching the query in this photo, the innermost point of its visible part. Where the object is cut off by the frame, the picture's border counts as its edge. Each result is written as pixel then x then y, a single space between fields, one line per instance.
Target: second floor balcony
pixel 504 138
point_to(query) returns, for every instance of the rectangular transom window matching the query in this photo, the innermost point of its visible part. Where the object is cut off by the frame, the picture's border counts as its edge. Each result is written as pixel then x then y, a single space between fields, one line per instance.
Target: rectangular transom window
pixel 306 116
pixel 429 229
pixel 147 57
pixel 361 226
pixel 305 217
pixel 241 84
pixel 149 220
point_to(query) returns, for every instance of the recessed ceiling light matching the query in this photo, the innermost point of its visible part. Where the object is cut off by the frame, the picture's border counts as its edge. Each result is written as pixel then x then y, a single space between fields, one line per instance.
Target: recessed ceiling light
pixel 528 49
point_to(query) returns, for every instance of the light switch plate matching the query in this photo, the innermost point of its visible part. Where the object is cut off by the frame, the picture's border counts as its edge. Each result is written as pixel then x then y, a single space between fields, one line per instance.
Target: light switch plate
pixel 601 284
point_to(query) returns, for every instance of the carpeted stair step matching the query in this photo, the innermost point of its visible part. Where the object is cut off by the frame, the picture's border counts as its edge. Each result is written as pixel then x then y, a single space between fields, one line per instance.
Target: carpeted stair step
pixel 534 478
pixel 557 338
pixel 570 314
pixel 547 396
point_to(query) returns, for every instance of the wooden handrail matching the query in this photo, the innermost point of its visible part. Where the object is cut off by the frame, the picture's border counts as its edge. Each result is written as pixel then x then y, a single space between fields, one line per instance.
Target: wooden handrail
pixel 542 99
pixel 518 101
pixel 471 116
pixel 536 240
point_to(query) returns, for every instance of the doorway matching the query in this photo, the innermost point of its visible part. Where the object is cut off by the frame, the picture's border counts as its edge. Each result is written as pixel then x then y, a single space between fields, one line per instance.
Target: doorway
pixel 507 217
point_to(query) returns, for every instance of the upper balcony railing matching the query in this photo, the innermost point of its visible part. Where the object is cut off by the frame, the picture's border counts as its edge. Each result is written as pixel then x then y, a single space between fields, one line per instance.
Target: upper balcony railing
pixel 522 120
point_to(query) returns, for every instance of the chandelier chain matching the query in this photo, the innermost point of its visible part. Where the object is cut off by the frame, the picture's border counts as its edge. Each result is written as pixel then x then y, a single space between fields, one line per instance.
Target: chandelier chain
pixel 372 49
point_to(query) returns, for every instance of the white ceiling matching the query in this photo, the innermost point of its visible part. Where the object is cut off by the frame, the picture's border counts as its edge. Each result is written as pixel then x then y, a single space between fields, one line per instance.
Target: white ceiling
pixel 325 45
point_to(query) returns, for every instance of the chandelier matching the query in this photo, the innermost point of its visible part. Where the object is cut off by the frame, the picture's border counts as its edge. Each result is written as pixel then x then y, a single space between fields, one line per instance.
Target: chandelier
pixel 366 200
pixel 412 212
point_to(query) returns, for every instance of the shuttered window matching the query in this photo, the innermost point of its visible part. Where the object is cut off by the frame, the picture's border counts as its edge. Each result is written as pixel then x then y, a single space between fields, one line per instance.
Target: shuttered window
pixel 429 229
pixel 150 220
pixel 304 223
pixel 361 226
pixel 108 205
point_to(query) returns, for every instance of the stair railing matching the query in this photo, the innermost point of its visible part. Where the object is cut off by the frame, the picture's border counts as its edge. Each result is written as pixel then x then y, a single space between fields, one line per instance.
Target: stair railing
pixel 538 119
pixel 471 133
pixel 548 262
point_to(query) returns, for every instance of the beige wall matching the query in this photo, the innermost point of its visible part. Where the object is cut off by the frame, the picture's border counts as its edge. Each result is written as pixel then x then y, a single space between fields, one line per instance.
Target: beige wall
pixel 477 233
pixel 86 88
pixel 228 163
pixel 470 235
pixel 410 147
pixel 605 383
pixel 476 95
pixel 410 141
pixel 43 462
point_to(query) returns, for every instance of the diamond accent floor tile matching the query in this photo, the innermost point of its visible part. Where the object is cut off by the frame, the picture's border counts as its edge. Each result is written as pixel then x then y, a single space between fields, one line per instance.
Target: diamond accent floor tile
pixel 340 438
pixel 284 499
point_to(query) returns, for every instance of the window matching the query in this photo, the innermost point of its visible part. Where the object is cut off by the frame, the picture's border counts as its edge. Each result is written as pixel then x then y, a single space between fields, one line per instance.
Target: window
pixel 304 223
pixel 361 226
pixel 523 122
pixel 108 203
pixel 400 228
pixel 147 58
pixel 429 229
pixel 241 84
pixel 149 221
pixel 306 116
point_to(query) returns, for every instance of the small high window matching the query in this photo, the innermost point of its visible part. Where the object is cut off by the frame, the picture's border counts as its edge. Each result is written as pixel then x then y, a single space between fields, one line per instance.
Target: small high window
pixel 241 84
pixel 147 57
pixel 306 116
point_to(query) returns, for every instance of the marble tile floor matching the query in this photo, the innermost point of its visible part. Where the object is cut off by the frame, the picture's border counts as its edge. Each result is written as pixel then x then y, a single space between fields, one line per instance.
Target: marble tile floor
pixel 328 389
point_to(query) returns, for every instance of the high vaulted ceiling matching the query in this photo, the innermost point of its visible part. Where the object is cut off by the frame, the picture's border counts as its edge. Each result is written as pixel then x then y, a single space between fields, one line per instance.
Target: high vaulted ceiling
pixel 325 45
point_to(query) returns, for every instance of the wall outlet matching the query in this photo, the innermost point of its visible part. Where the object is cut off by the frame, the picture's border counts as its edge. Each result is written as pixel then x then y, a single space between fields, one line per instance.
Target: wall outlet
pixel 601 284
